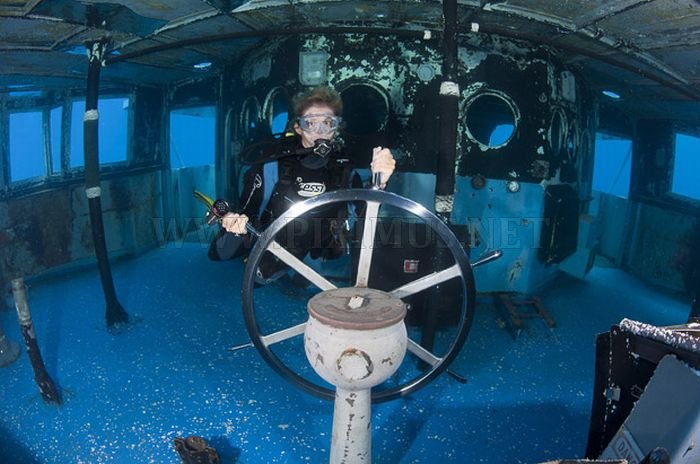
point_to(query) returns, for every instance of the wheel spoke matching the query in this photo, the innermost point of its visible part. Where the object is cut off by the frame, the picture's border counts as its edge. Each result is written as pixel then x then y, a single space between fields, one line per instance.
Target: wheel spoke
pixel 422 353
pixel 284 334
pixel 299 266
pixel 367 244
pixel 427 281
pixel 459 269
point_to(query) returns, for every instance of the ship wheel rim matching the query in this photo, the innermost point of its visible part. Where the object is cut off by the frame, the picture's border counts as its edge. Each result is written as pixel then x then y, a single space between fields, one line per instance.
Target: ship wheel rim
pixel 369 196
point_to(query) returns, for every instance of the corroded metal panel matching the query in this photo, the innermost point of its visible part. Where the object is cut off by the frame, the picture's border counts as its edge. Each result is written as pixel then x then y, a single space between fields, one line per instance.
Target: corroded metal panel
pixel 52 229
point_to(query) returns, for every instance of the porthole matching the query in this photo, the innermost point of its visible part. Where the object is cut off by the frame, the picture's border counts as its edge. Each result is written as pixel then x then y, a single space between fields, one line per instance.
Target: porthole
pixel 572 136
pixel 491 118
pixel 365 109
pixel 584 144
pixel 276 111
pixel 569 163
pixel 583 154
pixel 250 118
pixel 557 133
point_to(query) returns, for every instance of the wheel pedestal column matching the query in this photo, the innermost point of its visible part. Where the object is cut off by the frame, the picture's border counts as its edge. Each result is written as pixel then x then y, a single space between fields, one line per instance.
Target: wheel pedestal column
pixel 355 339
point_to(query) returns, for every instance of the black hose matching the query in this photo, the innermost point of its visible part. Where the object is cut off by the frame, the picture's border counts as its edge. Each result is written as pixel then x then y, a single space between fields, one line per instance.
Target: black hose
pixel 449 110
pixel 115 313
pixel 445 177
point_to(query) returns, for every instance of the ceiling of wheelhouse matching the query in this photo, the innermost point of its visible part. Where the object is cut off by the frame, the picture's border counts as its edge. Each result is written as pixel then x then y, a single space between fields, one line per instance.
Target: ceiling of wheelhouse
pixel 649 49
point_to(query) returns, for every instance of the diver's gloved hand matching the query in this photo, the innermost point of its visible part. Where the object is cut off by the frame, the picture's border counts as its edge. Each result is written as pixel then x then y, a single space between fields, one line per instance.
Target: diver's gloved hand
pixel 217 209
pixel 383 162
pixel 235 223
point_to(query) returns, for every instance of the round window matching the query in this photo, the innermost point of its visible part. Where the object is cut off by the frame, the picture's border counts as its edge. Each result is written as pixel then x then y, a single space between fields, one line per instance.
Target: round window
pixel 277 111
pixel 583 153
pixel 250 118
pixel 365 109
pixel 572 136
pixel 491 118
pixel 557 132
pixel 584 144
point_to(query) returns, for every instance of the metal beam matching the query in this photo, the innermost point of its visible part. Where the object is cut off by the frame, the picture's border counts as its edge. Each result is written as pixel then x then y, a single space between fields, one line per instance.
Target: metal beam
pixel 605 11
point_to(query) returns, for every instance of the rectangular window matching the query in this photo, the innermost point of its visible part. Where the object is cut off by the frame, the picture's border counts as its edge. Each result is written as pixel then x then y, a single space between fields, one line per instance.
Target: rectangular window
pixel 112 127
pixel 612 166
pixel 77 158
pixel 686 165
pixel 56 137
pixel 192 136
pixel 26 146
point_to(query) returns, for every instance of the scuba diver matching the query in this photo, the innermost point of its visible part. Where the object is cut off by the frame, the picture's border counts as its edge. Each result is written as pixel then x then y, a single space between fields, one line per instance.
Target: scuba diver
pixel 308 162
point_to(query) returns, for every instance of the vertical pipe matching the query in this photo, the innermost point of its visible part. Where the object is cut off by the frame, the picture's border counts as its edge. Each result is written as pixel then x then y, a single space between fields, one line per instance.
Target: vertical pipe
pixel 447 154
pixel 4 145
pixel 47 388
pixel 46 126
pixel 449 100
pixel 115 313
pixel 351 437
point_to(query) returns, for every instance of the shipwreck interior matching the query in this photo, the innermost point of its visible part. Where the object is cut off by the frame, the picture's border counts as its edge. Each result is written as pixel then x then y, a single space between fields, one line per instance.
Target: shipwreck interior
pixel 542 228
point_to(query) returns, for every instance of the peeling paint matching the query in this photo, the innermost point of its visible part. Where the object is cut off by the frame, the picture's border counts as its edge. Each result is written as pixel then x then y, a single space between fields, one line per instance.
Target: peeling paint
pixel 515 271
pixel 470 59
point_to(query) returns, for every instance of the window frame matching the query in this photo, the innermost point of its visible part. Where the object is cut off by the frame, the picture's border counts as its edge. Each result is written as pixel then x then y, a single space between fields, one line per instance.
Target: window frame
pixel 180 107
pixel 46 103
pixel 621 136
pixel 653 187
pixel 673 196
pixel 104 167
pixel 24 102
pixel 44 144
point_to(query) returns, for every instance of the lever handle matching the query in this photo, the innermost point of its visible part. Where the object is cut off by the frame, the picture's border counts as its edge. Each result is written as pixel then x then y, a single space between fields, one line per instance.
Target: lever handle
pixel 487 258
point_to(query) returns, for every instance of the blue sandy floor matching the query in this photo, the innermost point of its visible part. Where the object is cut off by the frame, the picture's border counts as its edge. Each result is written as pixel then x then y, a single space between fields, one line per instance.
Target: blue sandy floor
pixel 128 395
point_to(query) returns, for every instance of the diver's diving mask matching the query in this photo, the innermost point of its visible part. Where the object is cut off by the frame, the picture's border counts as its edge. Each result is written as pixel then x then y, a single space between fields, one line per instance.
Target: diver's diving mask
pixel 319 123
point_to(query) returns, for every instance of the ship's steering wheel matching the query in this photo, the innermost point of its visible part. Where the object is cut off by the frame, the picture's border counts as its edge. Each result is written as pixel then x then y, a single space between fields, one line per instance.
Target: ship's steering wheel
pixel 374 200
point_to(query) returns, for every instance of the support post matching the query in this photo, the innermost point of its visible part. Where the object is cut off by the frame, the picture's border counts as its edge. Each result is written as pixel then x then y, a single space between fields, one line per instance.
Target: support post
pixel 447 154
pixel 351 438
pixel 47 388
pixel 449 112
pixel 115 313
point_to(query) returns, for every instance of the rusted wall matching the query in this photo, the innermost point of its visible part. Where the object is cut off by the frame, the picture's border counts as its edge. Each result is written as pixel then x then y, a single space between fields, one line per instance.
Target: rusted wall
pixel 45 223
pixel 51 229
pixel 406 72
pixel 662 240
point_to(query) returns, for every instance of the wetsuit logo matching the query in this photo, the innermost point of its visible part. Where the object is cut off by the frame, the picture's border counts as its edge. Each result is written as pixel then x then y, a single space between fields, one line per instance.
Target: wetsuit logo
pixel 311 189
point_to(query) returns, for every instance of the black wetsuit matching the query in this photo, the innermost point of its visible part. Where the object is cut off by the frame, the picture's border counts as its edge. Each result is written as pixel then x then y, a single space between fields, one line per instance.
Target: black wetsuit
pixel 319 233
